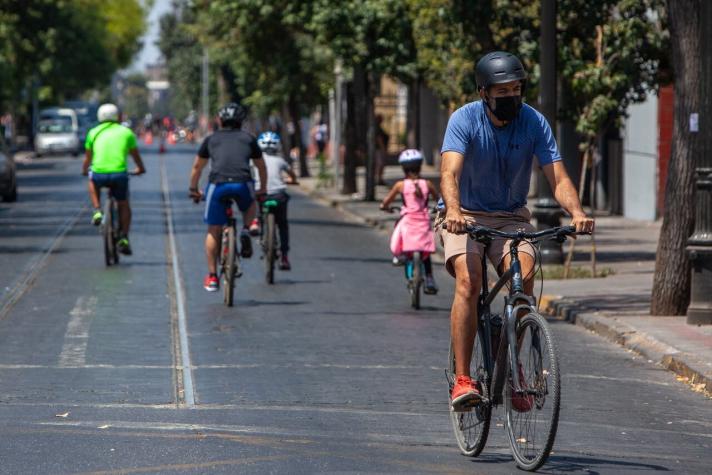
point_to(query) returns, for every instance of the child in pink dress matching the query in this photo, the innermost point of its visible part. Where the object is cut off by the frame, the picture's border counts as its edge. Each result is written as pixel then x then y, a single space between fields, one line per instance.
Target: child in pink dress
pixel 413 231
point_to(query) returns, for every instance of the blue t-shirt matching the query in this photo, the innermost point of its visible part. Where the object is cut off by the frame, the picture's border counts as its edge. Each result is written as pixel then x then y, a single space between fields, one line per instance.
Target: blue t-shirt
pixel 498 161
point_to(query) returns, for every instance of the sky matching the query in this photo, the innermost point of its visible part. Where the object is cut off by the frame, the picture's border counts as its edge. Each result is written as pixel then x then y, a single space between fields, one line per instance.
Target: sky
pixel 150 53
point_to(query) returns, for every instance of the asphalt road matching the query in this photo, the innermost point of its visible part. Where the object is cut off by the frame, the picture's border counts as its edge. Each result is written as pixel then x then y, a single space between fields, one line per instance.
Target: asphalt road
pixel 329 370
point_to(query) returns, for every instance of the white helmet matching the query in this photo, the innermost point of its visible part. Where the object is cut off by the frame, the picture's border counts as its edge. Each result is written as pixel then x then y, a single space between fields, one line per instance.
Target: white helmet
pixel 108 113
pixel 409 156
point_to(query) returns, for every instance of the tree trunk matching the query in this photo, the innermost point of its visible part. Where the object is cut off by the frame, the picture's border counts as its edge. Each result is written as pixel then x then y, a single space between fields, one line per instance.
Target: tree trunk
pixel 671 285
pixel 413 116
pixel 295 116
pixel 350 142
pixel 370 192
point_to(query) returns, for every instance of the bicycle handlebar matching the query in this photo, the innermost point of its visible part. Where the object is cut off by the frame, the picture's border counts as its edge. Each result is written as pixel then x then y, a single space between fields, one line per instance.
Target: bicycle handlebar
pixel 560 232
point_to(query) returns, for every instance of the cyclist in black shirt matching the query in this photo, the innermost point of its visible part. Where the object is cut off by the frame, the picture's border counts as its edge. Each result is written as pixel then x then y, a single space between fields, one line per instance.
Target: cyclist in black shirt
pixel 230 149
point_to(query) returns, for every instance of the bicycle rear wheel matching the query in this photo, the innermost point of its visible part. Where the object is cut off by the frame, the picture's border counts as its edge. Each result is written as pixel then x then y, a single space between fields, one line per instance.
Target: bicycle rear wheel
pixel 270 243
pixel 533 416
pixel 417 281
pixel 472 428
pixel 107 232
pixel 117 230
pixel 228 255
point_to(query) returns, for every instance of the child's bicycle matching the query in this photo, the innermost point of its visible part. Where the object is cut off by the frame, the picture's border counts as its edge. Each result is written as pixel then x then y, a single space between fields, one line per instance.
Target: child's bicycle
pixel 268 238
pixel 514 362
pixel 414 270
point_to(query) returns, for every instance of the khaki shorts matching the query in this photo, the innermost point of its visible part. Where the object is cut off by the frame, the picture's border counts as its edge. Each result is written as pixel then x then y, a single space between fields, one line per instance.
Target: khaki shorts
pixel 456 244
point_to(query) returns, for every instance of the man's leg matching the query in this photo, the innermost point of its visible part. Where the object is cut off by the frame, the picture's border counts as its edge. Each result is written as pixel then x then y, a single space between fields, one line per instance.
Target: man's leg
pixel 124 216
pixel 94 194
pixel 280 217
pixel 463 316
pixel 249 214
pixel 212 247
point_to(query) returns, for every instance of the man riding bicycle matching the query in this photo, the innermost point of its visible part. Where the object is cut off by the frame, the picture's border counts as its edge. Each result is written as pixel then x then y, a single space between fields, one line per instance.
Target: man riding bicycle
pixel 270 144
pixel 106 148
pixel 487 157
pixel 230 149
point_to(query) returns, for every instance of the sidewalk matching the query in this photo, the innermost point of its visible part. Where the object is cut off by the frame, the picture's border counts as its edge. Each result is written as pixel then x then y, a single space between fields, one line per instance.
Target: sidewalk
pixel 616 307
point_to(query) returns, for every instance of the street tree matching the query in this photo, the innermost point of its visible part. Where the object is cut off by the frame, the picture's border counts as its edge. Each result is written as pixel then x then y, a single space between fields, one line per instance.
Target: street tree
pixel 671 284
pixel 371 38
pixel 183 53
pixel 55 50
pixel 275 63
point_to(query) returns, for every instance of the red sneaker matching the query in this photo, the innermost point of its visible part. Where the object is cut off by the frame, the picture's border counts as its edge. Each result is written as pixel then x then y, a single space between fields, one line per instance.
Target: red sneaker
pixel 211 283
pixel 254 227
pixel 521 402
pixel 464 394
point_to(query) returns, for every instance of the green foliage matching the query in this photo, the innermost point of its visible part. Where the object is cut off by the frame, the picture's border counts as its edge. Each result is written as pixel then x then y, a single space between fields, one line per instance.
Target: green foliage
pixel 633 43
pixel 265 43
pixel 451 35
pixel 375 34
pixel 183 54
pixel 64 46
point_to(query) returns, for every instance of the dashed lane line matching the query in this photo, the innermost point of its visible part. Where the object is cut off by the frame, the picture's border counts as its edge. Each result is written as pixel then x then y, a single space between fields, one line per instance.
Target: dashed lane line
pixel 32 271
pixel 76 338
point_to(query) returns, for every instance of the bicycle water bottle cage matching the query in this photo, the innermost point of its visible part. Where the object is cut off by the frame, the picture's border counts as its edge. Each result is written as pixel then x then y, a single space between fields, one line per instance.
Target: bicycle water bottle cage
pixel 270 204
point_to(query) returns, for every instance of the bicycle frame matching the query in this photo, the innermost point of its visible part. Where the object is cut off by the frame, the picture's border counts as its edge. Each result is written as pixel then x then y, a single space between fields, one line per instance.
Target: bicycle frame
pixel 494 364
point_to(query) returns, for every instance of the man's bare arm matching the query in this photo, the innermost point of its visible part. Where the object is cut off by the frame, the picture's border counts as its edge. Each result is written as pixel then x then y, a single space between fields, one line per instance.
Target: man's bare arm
pixel 87 162
pixel 140 169
pixel 450 171
pixel 196 171
pixel 565 193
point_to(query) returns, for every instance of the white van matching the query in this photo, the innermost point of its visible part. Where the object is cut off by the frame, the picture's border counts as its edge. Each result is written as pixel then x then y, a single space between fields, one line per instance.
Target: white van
pixel 57 132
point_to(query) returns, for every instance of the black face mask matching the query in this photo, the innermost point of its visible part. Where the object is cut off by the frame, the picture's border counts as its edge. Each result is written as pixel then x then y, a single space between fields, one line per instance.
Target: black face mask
pixel 505 108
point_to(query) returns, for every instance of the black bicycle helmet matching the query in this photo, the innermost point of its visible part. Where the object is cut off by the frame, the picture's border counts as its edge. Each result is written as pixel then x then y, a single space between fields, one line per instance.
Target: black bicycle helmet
pixel 232 114
pixel 499 67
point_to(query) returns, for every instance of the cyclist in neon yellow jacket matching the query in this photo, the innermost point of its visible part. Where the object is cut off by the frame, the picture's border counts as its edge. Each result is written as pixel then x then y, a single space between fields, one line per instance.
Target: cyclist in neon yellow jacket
pixel 105 161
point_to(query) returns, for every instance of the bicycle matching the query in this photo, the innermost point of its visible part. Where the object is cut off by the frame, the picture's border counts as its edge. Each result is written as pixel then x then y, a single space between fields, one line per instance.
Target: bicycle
pixel 414 270
pixel 513 359
pixel 110 228
pixel 268 237
pixel 228 257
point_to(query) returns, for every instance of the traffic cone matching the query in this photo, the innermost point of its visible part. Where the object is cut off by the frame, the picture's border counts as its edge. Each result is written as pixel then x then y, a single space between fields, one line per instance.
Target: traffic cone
pixel 148 138
pixel 171 138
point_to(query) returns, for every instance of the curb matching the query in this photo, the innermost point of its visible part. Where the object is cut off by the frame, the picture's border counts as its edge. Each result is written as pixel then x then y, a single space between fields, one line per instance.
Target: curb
pixel 613 329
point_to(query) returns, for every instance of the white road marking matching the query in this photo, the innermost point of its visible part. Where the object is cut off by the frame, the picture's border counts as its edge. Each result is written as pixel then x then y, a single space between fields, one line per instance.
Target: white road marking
pixel 188 391
pixel 32 271
pixel 76 338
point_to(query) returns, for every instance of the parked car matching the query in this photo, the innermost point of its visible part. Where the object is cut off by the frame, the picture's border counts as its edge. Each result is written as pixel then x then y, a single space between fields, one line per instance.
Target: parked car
pixel 57 132
pixel 8 174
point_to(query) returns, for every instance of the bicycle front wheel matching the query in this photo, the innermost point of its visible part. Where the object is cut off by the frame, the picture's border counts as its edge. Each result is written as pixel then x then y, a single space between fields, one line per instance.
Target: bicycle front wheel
pixel 471 428
pixel 270 243
pixel 533 411
pixel 228 255
pixel 417 281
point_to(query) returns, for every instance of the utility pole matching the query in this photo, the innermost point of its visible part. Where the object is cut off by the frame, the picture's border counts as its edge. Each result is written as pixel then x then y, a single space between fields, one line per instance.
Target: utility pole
pixel 699 245
pixel 546 210
pixel 205 76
